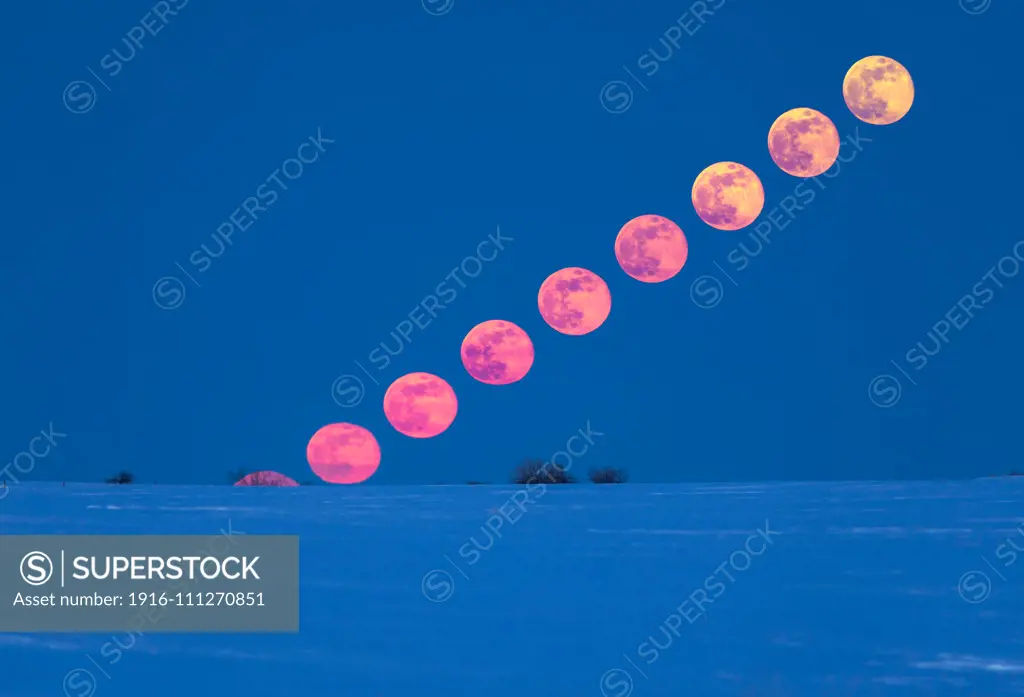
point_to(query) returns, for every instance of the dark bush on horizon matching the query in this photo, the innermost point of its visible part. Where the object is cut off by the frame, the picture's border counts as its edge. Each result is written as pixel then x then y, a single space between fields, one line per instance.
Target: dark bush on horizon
pixel 123 477
pixel 539 472
pixel 236 476
pixel 608 475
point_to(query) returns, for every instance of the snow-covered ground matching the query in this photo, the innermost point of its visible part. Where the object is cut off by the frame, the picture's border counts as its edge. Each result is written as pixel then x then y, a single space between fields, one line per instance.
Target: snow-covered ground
pixel 796 590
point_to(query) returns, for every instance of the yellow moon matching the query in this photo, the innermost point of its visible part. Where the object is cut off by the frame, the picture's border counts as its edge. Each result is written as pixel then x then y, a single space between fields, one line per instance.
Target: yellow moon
pixel 803 142
pixel 727 196
pixel 878 90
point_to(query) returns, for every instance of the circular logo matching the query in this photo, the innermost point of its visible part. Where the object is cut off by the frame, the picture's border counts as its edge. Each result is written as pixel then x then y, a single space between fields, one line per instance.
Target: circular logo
pixel 168 293
pixel 884 391
pixel 616 683
pixel 36 568
pixel 79 683
pixel 616 97
pixel 79 97
pixel 975 7
pixel 348 391
pixel 706 292
pixel 974 587
pixel 437 7
pixel 438 586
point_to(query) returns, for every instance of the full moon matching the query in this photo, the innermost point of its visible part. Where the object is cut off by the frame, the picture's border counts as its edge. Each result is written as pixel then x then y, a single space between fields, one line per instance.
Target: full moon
pixel 574 301
pixel 803 142
pixel 420 405
pixel 878 90
pixel 343 454
pixel 651 248
pixel 728 196
pixel 497 352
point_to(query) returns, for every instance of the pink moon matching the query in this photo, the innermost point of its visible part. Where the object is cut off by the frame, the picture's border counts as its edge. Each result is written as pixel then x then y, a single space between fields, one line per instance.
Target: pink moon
pixel 727 196
pixel 651 248
pixel 266 478
pixel 343 454
pixel 574 301
pixel 803 142
pixel 497 352
pixel 420 405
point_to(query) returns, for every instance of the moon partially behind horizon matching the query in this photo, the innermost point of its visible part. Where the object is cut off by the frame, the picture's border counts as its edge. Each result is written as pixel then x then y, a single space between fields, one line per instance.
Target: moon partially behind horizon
pixel 803 142
pixel 574 301
pixel 878 90
pixel 420 405
pixel 266 478
pixel 651 248
pixel 497 352
pixel 727 196
pixel 343 453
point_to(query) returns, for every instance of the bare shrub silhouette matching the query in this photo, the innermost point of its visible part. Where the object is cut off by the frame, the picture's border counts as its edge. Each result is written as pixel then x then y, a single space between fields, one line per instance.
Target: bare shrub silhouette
pixel 608 475
pixel 539 472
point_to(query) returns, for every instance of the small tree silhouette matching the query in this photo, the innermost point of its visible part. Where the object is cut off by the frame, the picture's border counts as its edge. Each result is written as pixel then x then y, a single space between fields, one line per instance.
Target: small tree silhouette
pixel 123 477
pixel 608 475
pixel 539 472
pixel 236 476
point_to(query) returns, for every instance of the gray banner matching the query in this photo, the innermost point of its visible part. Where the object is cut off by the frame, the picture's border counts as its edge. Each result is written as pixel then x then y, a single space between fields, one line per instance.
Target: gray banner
pixel 149 583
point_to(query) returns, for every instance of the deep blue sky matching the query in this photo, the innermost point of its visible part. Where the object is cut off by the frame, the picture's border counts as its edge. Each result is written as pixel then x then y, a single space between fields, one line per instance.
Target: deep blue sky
pixel 446 127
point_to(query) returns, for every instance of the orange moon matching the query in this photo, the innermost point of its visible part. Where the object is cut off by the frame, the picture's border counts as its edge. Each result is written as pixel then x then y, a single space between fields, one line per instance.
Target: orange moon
pixel 497 352
pixel 420 405
pixel 878 90
pixel 728 196
pixel 574 301
pixel 343 454
pixel 651 248
pixel 803 142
